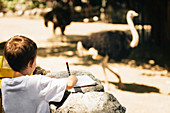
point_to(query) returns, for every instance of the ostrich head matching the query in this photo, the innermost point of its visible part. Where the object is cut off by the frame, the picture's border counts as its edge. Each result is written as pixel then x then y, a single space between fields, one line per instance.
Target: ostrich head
pixel 135 37
pixel 131 14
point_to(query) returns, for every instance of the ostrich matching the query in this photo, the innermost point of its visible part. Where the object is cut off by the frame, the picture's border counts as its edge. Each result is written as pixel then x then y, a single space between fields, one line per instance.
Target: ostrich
pixel 60 16
pixel 106 45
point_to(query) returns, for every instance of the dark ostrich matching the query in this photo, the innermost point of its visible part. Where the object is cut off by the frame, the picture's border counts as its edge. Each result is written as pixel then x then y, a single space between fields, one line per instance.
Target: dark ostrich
pixel 107 45
pixel 60 16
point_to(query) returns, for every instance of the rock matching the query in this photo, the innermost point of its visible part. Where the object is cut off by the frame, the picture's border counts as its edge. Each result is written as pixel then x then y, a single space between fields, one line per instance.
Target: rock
pixel 90 102
pixel 39 70
pixel 152 62
pixel 132 63
pixel 146 66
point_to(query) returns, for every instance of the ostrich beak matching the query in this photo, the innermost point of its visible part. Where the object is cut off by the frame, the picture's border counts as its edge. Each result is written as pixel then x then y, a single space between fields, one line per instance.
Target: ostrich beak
pixel 135 14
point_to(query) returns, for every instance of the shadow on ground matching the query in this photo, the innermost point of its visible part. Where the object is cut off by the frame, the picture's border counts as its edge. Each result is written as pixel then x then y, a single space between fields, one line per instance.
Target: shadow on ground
pixel 137 88
pixel 57 48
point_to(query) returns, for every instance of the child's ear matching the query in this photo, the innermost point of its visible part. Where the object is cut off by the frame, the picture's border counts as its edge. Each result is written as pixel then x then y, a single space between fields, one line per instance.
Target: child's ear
pixel 30 64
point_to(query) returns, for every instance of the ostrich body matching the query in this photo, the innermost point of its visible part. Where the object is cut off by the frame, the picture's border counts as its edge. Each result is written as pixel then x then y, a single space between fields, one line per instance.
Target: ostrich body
pixel 60 16
pixel 107 45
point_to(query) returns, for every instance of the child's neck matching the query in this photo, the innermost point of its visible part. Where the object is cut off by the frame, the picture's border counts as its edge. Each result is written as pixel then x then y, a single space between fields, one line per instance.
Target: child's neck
pixel 17 74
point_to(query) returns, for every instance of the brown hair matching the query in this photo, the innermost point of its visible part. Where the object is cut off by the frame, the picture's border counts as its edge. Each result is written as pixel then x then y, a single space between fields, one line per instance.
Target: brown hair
pixel 18 51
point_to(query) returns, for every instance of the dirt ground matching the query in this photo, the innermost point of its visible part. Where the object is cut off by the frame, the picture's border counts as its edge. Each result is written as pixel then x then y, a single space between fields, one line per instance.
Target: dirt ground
pixel 147 86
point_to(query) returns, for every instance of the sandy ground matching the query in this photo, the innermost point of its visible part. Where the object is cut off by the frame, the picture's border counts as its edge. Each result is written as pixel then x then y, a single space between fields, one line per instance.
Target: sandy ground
pixel 143 93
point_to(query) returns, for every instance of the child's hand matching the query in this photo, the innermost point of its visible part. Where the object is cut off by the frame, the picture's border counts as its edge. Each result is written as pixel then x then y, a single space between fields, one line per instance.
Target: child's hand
pixel 53 77
pixel 71 81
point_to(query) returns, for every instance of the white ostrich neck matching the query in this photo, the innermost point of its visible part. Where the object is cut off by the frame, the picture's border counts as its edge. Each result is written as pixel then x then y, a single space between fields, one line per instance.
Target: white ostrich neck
pixel 135 36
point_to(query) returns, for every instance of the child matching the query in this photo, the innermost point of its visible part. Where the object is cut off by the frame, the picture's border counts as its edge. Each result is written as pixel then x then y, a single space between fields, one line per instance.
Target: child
pixel 24 93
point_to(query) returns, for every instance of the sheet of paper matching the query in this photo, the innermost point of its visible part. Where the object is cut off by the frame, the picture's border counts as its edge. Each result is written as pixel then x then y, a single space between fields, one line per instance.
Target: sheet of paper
pixel 85 80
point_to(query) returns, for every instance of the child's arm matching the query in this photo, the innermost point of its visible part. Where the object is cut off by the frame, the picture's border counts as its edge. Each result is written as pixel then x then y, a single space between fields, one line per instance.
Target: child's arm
pixel 71 82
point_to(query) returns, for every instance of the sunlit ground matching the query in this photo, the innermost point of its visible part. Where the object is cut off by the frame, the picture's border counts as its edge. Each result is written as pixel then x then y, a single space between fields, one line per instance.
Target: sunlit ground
pixel 147 91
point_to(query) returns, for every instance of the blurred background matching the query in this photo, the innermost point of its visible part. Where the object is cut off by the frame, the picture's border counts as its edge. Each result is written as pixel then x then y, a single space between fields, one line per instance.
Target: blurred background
pixel 153 20
pixel 145 72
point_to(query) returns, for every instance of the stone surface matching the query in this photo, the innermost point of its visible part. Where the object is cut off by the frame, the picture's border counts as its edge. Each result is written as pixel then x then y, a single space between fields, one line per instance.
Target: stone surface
pixel 89 102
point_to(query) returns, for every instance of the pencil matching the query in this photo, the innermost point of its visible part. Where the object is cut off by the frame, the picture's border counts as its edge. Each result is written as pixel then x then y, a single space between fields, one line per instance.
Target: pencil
pixel 68 69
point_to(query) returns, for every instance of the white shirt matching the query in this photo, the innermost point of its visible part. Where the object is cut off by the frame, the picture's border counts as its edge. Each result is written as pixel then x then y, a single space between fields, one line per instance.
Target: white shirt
pixel 31 94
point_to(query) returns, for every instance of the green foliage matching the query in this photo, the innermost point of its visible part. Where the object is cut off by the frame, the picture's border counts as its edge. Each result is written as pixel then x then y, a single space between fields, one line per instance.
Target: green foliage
pixel 11 4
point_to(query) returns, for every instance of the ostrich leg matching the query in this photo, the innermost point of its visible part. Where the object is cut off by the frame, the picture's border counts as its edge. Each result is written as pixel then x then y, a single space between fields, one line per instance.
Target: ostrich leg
pixel 63 37
pixel 54 28
pixel 104 65
pixel 118 76
pixel 54 24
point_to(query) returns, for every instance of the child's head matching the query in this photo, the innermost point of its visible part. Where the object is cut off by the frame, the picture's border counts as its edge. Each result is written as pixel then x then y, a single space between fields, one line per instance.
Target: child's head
pixel 19 51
